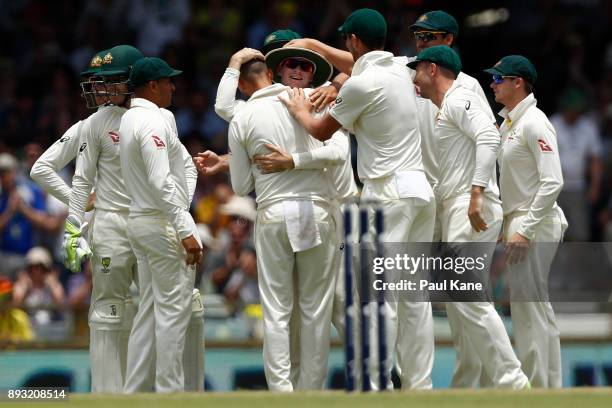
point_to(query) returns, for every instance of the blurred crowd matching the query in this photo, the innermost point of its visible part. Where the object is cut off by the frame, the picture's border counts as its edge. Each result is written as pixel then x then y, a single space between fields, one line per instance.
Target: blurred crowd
pixel 46 44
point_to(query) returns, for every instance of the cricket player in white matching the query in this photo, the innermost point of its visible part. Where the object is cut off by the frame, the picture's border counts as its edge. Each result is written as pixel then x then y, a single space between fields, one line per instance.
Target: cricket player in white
pixel 114 262
pixel 160 231
pixel 431 29
pixel 468 143
pixel 530 181
pixel 389 164
pixel 294 231
pixel 334 154
pixel 45 170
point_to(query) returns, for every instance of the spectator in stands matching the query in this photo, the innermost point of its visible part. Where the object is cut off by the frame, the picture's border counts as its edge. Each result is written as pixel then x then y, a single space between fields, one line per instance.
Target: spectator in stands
pixel 238 236
pixel 242 288
pixel 580 151
pixel 14 323
pixel 38 288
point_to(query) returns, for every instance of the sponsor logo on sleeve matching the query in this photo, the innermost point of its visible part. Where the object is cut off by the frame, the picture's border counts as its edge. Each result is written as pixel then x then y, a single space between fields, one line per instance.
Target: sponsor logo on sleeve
pixel 338 100
pixel 83 146
pixel 159 143
pixel 64 139
pixel 544 146
pixel 114 136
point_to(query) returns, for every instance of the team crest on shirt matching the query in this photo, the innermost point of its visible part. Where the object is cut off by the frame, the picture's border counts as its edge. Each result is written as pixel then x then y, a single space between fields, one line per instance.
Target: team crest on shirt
pixel 159 143
pixel 114 136
pixel 544 146
pixel 106 261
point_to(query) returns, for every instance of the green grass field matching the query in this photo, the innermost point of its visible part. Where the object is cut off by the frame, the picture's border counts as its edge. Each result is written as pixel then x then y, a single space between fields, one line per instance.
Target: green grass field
pixel 570 398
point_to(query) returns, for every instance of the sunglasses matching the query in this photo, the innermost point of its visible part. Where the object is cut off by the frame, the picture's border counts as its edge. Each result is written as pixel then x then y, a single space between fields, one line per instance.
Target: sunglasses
pixel 498 79
pixel 293 63
pixel 427 36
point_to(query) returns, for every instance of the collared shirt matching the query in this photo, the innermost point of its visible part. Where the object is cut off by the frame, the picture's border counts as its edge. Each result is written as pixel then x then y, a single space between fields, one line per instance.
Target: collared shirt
pixel 264 119
pixel 152 164
pixel 468 143
pixel 334 154
pixel 98 164
pixel 56 157
pixel 378 104
pixel 427 118
pixel 530 169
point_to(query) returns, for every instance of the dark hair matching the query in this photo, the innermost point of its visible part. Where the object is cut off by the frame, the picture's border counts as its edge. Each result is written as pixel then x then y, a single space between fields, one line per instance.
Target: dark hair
pixel 253 69
pixel 528 86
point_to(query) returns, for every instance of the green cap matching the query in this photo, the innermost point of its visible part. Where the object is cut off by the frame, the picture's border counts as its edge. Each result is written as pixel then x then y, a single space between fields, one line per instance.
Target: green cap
pixel 323 69
pixel 95 64
pixel 277 39
pixel 437 21
pixel 515 65
pixel 365 23
pixel 440 54
pixel 119 60
pixel 150 69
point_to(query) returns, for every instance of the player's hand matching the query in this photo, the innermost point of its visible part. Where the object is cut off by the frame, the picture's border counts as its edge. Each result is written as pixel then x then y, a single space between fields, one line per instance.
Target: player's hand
pixel 295 101
pixel 516 248
pixel 244 55
pixel 323 96
pixel 300 43
pixel 475 210
pixel 193 249
pixel 91 201
pixel 209 163
pixel 75 248
pixel 278 160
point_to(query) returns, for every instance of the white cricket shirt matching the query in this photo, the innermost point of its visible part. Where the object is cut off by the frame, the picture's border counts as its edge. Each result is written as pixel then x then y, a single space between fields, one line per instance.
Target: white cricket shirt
pixel 468 143
pixel 530 170
pixel 152 164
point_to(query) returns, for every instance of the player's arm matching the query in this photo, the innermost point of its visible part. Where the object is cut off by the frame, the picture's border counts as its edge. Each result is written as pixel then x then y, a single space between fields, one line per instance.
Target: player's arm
pixel 541 141
pixel 342 60
pixel 241 173
pixel 473 121
pixel 155 159
pixel 226 104
pixel 334 152
pixel 191 173
pixel 321 128
pixel 56 157
pixel 210 163
pixel 85 172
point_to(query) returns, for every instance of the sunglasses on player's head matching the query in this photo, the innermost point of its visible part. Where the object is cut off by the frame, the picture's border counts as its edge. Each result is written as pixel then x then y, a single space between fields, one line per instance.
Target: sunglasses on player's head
pixel 427 36
pixel 304 64
pixel 498 79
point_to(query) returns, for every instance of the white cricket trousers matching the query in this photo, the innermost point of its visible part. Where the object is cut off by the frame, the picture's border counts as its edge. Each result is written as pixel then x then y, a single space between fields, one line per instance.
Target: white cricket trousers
pixel 113 266
pixel 288 280
pixel 536 335
pixel 157 341
pixel 408 324
pixel 478 332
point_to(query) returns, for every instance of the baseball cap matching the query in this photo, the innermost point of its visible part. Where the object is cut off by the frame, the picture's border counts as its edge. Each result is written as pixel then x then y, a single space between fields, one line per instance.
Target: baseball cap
pixel 441 55
pixel 277 39
pixel 514 65
pixel 95 64
pixel 38 256
pixel 119 60
pixel 7 162
pixel 437 21
pixel 323 68
pixel 365 23
pixel 150 69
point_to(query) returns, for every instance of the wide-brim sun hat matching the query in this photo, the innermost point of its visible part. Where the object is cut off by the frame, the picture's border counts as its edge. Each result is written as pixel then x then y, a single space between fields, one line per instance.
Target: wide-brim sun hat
pixel 323 68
